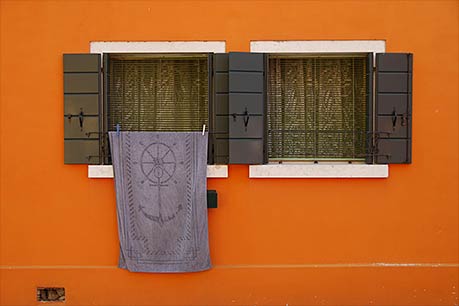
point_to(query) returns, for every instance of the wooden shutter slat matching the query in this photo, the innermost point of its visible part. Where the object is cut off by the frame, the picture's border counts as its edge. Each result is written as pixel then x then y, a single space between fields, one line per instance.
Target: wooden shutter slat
pixel 83 62
pixel 388 82
pixel 254 128
pixel 78 151
pixel 81 83
pixel 388 103
pixel 393 151
pixel 221 104
pixel 88 103
pixel 250 82
pixel 88 129
pixel 239 102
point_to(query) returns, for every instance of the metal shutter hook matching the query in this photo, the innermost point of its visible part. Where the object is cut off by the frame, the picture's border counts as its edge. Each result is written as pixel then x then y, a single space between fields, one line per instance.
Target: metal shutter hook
pixel 80 118
pixel 246 119
pixel 394 119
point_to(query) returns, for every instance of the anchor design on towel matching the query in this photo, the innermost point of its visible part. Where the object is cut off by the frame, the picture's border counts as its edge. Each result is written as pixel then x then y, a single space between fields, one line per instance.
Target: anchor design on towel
pixel 160 218
pixel 158 164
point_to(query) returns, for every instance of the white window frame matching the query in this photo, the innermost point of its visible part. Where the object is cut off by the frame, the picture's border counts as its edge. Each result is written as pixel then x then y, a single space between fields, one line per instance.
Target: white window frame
pixel 322 169
pixel 106 171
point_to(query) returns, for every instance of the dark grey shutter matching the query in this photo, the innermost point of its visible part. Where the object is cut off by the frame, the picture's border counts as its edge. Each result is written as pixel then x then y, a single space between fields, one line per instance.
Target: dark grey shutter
pixel 246 108
pixel 81 108
pixel 393 108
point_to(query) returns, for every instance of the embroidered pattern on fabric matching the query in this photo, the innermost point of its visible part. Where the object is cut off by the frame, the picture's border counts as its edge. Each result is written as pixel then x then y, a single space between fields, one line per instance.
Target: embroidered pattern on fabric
pixel 157 164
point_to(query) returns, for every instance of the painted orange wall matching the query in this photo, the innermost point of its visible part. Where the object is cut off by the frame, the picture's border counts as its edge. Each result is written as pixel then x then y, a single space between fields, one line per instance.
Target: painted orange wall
pixel 273 241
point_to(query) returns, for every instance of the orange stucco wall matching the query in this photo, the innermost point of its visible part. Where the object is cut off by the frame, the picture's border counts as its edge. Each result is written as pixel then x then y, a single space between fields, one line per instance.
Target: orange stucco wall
pixel 273 241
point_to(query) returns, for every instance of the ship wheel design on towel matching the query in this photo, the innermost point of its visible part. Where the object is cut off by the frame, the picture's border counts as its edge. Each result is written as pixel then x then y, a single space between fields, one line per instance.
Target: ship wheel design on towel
pixel 158 164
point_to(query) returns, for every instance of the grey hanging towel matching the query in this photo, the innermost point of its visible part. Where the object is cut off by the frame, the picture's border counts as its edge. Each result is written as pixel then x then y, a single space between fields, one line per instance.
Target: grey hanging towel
pixel 161 186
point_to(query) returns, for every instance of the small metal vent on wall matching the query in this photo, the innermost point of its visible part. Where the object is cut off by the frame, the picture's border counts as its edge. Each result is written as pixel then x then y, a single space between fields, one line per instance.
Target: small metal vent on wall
pixel 51 294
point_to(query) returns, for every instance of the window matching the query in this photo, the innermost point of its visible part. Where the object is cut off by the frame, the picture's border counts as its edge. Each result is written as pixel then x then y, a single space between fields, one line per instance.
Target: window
pixel 317 107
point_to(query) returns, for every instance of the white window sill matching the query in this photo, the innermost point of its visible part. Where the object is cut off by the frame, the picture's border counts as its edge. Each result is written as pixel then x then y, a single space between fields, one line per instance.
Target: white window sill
pixel 300 170
pixel 304 170
pixel 106 171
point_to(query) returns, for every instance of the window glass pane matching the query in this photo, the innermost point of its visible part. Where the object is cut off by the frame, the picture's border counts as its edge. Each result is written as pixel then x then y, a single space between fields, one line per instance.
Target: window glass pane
pixel 317 108
pixel 158 93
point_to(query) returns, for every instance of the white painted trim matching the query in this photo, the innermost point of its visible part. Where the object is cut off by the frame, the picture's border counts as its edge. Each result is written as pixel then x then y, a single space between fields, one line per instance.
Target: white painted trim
pixel 100 171
pixel 318 46
pixel 157 46
pixel 217 171
pixel 106 171
pixel 318 171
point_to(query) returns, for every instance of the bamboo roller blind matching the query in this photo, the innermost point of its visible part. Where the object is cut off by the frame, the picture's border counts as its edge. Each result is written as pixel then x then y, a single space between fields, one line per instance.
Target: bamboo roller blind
pixel 158 93
pixel 316 108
